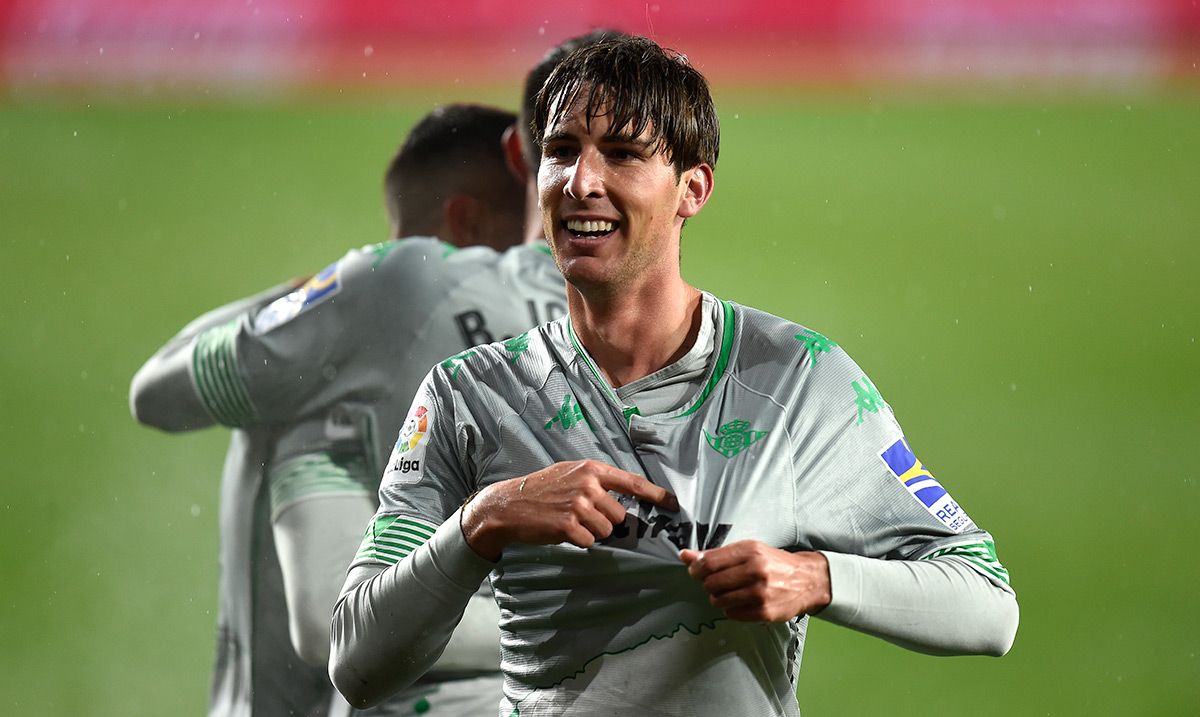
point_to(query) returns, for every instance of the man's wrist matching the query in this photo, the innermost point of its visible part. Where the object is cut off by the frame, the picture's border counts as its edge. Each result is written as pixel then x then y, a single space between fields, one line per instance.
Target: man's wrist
pixel 478 529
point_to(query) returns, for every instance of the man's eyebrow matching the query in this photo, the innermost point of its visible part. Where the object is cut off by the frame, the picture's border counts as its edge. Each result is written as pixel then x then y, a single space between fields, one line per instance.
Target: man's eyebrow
pixel 558 136
pixel 626 138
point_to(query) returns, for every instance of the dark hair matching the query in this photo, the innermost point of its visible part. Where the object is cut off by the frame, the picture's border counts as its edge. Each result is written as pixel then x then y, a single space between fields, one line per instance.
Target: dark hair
pixel 639 86
pixel 537 77
pixel 455 149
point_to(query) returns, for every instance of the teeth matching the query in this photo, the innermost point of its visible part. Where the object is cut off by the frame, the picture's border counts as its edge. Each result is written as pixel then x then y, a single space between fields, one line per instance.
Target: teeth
pixel 590 226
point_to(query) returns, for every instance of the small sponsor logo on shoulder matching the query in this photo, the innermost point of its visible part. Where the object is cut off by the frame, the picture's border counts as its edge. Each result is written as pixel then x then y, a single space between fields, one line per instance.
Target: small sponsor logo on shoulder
pixel 315 290
pixel 903 464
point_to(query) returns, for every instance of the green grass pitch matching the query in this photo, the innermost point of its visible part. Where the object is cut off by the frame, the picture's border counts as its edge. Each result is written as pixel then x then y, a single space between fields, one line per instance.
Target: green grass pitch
pixel 1017 276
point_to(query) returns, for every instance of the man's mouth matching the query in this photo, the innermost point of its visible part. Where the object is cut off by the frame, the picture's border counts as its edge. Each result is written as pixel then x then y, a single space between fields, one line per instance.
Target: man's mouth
pixel 590 228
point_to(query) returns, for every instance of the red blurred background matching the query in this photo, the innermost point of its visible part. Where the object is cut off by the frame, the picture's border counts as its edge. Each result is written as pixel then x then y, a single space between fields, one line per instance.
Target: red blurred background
pixel 287 45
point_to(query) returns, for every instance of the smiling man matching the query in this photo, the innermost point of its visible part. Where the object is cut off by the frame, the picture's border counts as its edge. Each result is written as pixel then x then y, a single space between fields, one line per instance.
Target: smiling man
pixel 663 485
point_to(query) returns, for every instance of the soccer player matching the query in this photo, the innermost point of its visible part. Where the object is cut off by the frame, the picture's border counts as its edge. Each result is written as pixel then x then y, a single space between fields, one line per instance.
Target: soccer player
pixel 315 380
pixel 663 485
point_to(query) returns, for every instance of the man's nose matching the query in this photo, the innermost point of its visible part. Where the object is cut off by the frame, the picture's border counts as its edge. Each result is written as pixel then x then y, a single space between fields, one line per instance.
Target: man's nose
pixel 587 179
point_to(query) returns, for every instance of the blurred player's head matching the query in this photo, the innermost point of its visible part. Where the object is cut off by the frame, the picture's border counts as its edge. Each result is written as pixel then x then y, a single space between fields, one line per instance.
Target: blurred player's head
pixel 641 88
pixel 450 179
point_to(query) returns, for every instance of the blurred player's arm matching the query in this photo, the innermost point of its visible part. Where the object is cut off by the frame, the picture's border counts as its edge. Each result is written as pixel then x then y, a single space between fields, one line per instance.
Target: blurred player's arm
pixel 163 394
pixel 319 505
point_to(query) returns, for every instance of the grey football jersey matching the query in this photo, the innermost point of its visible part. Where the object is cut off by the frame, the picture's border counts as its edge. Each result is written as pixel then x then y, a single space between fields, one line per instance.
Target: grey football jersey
pixel 316 380
pixel 786 441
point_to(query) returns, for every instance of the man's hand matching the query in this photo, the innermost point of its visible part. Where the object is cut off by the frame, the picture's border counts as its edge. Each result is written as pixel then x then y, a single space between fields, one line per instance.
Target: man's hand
pixel 754 582
pixel 566 502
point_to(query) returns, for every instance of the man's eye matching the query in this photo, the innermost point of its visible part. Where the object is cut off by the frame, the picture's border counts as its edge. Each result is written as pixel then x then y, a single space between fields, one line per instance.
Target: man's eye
pixel 621 154
pixel 560 152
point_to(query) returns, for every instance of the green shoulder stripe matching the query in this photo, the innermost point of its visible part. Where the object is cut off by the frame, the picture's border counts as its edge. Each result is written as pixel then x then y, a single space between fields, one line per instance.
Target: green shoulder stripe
pixel 391 538
pixel 982 555
pixel 215 372
pixel 319 474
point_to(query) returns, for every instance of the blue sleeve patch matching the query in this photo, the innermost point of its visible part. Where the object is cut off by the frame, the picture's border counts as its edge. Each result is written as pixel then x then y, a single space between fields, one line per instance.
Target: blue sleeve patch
pixel 317 289
pixel 903 464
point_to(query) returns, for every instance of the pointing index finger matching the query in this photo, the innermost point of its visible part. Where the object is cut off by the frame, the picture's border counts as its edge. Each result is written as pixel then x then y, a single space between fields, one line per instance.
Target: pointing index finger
pixel 614 478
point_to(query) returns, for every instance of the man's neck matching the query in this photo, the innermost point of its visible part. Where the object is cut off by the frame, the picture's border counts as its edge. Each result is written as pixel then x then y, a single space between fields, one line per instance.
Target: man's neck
pixel 634 333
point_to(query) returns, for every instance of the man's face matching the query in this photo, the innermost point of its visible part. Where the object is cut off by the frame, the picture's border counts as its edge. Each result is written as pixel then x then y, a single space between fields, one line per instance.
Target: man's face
pixel 612 207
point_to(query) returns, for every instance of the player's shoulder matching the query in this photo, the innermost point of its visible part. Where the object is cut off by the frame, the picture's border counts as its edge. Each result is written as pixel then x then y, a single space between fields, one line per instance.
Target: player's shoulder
pixel 509 366
pixel 766 339
pixel 405 253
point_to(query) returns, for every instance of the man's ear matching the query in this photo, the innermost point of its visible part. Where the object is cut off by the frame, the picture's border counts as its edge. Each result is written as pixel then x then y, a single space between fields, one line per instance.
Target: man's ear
pixel 514 157
pixel 697 188
pixel 461 217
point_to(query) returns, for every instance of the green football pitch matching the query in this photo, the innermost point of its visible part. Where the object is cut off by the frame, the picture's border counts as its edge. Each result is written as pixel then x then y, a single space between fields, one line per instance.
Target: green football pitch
pixel 1018 276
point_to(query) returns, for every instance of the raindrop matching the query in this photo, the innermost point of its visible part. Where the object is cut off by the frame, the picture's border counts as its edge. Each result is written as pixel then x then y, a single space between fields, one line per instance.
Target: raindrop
pixel 196 36
pixel 368 51
pixel 195 510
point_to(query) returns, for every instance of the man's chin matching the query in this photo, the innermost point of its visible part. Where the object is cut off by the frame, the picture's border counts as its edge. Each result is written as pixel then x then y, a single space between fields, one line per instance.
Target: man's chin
pixel 589 274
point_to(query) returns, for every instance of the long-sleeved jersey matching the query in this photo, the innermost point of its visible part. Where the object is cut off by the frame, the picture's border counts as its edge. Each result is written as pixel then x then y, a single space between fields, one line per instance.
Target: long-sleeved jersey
pixel 783 440
pixel 316 383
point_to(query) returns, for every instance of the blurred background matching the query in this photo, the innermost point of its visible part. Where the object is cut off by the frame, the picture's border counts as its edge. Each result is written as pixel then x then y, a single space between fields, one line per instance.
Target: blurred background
pixel 993 205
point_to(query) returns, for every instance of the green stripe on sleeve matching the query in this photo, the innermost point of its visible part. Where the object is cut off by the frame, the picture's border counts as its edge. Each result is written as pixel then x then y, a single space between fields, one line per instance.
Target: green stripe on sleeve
pixel 317 474
pixel 391 538
pixel 981 555
pixel 214 369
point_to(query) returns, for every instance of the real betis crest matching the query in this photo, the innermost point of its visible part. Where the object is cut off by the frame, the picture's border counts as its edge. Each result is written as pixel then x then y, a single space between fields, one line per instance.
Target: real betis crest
pixel 733 437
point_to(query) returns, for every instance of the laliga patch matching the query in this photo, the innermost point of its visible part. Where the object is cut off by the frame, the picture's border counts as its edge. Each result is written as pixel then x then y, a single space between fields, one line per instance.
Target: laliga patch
pixel 317 289
pixel 410 446
pixel 903 464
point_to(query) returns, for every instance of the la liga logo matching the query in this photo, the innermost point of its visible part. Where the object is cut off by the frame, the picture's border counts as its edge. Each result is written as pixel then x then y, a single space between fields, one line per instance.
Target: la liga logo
pixel 414 430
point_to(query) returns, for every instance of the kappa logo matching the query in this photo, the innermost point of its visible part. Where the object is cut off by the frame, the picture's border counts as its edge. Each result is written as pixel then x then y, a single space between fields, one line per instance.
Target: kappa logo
pixel 569 415
pixel 815 343
pixel 733 437
pixel 866 398
pixel 413 431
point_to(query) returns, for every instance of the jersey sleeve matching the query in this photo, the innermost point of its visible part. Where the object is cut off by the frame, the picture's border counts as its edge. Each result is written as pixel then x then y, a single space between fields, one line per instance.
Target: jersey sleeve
pixel 320 474
pixel 426 479
pixel 295 354
pixel 854 463
pixel 163 393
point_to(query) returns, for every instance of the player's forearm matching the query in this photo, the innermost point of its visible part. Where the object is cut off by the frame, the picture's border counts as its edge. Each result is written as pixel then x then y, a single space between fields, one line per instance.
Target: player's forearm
pixel 162 394
pixel 315 537
pixel 389 628
pixel 939 607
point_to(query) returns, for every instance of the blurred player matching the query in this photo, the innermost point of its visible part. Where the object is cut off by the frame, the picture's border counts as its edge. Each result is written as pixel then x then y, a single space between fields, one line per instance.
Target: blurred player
pixel 663 485
pixel 315 380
